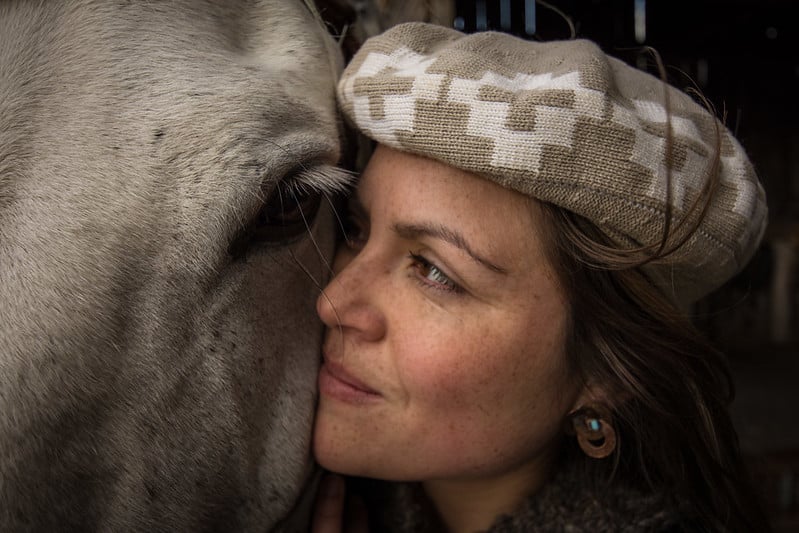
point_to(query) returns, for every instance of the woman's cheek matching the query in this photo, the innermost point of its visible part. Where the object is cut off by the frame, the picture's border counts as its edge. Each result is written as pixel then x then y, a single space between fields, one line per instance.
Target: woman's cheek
pixel 451 373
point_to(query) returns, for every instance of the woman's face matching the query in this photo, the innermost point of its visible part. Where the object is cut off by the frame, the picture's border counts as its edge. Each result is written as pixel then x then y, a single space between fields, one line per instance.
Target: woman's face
pixel 444 351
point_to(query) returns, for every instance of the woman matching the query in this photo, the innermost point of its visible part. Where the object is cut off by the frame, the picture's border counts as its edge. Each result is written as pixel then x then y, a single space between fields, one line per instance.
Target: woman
pixel 506 333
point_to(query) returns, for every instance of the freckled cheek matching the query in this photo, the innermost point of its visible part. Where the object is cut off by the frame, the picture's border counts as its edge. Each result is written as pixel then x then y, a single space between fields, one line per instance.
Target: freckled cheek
pixel 451 375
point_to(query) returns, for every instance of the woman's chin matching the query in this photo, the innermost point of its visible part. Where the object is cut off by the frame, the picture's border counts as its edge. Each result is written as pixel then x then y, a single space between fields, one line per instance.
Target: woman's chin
pixel 349 461
pixel 331 455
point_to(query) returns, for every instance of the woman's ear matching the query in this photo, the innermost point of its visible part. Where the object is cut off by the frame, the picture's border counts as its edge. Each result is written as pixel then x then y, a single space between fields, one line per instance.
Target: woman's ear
pixel 596 394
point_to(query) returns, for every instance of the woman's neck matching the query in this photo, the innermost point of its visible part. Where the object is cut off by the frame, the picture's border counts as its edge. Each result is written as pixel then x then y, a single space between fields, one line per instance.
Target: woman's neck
pixel 469 505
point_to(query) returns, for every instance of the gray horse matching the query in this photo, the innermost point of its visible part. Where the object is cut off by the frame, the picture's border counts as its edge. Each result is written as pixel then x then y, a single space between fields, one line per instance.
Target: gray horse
pixel 164 168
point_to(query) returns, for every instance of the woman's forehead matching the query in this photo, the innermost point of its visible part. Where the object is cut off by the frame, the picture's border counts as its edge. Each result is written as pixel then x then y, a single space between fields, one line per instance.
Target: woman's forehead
pixel 418 190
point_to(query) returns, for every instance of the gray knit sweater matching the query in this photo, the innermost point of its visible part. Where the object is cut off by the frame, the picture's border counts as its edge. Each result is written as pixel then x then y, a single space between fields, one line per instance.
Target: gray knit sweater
pixel 565 504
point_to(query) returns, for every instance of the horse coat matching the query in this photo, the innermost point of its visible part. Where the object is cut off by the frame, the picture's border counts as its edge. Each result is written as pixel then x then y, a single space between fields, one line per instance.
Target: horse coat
pixel 161 251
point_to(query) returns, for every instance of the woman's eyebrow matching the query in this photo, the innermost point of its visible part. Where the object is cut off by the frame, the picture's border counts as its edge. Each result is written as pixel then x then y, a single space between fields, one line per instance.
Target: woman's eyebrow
pixel 452 236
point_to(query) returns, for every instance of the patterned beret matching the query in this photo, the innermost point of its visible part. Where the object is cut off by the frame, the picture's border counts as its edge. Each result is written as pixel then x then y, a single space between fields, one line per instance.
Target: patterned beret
pixel 564 123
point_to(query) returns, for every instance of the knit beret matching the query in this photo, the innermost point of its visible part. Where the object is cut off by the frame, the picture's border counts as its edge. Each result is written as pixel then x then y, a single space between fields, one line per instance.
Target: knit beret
pixel 564 123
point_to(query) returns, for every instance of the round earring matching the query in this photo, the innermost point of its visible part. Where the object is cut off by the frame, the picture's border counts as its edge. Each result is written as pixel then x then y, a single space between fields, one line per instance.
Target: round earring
pixel 595 433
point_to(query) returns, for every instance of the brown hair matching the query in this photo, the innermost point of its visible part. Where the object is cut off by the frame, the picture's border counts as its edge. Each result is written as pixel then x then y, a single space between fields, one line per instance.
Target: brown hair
pixel 668 387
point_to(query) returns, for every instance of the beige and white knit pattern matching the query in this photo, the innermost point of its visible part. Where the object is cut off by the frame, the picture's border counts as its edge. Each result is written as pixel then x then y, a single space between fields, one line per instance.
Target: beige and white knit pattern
pixel 564 123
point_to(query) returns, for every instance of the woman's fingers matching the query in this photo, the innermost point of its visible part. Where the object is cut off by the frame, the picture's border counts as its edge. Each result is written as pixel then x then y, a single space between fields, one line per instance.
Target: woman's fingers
pixel 329 507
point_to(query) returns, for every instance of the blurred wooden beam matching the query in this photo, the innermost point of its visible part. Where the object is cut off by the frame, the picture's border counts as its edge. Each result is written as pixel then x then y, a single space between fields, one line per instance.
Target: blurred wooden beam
pixel 379 15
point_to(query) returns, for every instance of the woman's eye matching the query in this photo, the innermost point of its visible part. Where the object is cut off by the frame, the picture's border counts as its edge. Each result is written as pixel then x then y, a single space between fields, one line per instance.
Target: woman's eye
pixel 433 276
pixel 355 231
pixel 353 223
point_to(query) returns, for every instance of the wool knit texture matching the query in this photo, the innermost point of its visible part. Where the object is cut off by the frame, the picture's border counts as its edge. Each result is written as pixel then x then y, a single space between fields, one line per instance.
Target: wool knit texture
pixel 564 123
pixel 568 503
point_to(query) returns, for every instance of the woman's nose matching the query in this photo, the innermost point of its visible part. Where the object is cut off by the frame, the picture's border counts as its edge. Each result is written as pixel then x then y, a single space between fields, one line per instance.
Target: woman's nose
pixel 351 303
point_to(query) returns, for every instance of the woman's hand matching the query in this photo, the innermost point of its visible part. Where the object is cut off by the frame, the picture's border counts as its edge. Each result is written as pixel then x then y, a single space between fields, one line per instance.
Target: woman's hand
pixel 334 512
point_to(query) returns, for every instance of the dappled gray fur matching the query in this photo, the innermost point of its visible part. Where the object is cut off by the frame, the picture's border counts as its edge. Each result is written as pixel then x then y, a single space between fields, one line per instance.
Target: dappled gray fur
pixel 150 379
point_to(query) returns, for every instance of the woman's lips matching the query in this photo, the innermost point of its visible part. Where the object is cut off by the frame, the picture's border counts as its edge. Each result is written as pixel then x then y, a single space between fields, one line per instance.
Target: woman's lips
pixel 336 382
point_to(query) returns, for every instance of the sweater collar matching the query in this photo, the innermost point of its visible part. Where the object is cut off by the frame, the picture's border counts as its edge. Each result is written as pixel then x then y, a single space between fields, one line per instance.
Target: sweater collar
pixel 567 503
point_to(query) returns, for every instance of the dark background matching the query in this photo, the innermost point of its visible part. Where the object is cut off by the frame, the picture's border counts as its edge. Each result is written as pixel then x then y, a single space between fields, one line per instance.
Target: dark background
pixel 741 53
pixel 744 57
